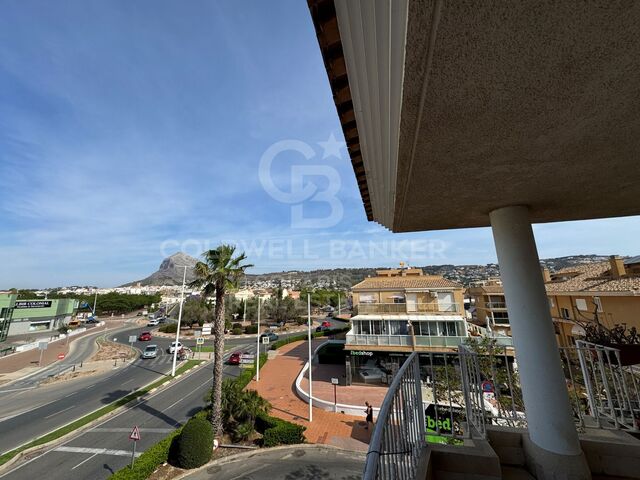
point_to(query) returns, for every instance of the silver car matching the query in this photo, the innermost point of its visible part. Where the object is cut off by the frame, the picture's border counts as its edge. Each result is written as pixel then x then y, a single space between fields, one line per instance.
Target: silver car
pixel 151 351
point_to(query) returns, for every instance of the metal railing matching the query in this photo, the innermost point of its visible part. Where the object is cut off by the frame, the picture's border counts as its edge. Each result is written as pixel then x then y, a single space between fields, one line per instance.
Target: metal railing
pixel 448 341
pixel 495 305
pixel 613 390
pixel 411 307
pixel 398 437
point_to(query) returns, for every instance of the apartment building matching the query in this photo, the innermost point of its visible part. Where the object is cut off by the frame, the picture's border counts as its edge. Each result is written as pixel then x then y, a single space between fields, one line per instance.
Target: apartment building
pixel 488 307
pixel 397 312
pixel 607 292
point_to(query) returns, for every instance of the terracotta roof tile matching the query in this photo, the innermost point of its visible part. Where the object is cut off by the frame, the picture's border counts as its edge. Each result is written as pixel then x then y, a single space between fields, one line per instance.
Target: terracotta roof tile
pixel 423 281
pixel 592 277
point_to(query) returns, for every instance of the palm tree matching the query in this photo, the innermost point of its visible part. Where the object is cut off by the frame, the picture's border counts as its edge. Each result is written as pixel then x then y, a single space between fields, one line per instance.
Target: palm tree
pixel 219 271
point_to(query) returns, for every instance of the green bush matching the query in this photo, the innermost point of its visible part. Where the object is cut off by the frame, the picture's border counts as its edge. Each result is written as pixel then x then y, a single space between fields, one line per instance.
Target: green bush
pixel 276 431
pixel 236 325
pixel 193 447
pixel 237 331
pixel 251 329
pixel 146 463
pixel 169 328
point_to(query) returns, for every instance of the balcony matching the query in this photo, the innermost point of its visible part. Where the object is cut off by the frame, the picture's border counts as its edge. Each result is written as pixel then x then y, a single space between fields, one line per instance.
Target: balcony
pixel 404 308
pixel 495 305
pixel 420 340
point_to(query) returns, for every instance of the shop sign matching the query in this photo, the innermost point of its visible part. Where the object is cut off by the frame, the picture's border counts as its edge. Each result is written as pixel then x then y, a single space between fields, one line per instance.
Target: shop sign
pixel 442 421
pixel 32 304
pixel 361 353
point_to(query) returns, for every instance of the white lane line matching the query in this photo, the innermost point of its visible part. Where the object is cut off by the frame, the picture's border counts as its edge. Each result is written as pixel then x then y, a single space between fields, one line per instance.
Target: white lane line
pixel 128 430
pixel 101 451
pixel 70 395
pixel 60 411
pixel 90 386
pixel 84 461
pixel 128 381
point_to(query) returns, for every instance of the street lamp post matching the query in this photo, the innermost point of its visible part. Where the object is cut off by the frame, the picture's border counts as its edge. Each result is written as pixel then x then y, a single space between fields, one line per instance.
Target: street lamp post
pixel 258 343
pixel 310 364
pixel 175 349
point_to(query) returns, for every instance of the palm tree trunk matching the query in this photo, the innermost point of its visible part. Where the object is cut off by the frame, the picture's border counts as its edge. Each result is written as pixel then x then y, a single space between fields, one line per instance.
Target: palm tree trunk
pixel 218 332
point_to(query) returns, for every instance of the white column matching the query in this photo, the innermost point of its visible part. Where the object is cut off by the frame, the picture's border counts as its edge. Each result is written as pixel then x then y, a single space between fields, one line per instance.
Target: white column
pixel 546 400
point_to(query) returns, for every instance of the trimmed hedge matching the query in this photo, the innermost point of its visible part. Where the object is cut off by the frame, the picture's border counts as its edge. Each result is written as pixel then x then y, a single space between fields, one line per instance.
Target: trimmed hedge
pixel 146 463
pixel 251 329
pixel 169 328
pixel 304 336
pixel 193 447
pixel 276 431
pixel 237 331
pixel 247 374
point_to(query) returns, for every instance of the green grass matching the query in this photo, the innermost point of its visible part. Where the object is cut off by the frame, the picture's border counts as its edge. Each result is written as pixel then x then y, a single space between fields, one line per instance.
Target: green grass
pixel 62 431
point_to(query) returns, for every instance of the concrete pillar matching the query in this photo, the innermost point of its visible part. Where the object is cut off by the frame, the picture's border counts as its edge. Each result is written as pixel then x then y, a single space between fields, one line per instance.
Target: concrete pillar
pixel 550 421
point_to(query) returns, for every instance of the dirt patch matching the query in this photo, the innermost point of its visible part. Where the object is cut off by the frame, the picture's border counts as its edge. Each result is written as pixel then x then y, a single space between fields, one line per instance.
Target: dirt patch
pixel 68 376
pixel 108 350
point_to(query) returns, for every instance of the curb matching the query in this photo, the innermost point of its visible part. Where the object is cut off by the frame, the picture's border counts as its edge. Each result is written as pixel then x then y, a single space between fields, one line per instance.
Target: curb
pixel 252 453
pixel 5 468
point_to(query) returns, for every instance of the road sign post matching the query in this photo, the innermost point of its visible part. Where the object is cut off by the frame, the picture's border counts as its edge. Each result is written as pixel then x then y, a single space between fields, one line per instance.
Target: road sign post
pixel 335 382
pixel 135 436
pixel 42 346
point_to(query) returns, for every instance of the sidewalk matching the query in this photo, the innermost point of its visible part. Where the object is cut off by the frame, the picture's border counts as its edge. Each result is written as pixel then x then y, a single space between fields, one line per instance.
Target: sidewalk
pixel 277 385
pixel 21 364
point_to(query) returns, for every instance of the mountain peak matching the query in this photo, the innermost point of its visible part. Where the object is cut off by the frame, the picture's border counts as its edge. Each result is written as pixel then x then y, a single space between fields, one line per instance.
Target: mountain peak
pixel 171 271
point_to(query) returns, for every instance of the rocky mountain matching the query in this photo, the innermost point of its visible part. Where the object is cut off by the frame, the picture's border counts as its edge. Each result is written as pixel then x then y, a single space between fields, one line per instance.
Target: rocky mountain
pixel 170 271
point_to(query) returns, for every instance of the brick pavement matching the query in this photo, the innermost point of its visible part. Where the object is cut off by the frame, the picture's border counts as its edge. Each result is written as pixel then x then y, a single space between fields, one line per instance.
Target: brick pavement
pixel 277 384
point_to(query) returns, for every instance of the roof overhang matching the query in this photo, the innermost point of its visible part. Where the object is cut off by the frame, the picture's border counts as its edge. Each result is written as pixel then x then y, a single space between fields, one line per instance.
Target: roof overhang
pixel 461 108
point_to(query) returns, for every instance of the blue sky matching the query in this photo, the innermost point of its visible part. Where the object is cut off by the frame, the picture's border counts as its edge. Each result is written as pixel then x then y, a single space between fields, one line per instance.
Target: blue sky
pixel 130 130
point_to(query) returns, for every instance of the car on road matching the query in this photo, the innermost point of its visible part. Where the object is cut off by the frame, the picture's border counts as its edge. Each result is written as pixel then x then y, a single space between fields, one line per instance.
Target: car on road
pixel 92 320
pixel 153 323
pixel 270 335
pixel 326 323
pixel 234 358
pixel 139 314
pixel 144 336
pixel 172 347
pixel 151 351
pixel 321 328
pixel 162 320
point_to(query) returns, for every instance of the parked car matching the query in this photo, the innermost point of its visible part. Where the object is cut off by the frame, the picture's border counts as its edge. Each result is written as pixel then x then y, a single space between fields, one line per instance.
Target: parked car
pixel 92 320
pixel 326 323
pixel 172 347
pixel 162 320
pixel 153 323
pixel 151 351
pixel 139 314
pixel 144 336
pixel 272 336
pixel 234 358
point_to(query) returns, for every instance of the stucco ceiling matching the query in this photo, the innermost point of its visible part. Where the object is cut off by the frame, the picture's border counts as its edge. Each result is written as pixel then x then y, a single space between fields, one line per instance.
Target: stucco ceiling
pixel 519 103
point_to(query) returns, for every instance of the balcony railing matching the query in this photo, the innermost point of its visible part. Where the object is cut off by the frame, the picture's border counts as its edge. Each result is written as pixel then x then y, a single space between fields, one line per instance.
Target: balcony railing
pixel 496 305
pixel 420 340
pixel 434 307
pixel 462 393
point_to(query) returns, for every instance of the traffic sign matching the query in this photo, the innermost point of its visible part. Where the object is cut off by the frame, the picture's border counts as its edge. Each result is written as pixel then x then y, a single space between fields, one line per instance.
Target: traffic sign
pixel 132 338
pixel 335 381
pixel 487 386
pixel 200 341
pixel 60 356
pixel 43 345
pixel 135 434
pixel 265 339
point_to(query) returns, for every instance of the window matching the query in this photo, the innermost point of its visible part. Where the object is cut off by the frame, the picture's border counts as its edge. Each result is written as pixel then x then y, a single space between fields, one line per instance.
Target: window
pixel 598 304
pixel 551 304
pixel 564 312
pixel 367 297
pixel 581 304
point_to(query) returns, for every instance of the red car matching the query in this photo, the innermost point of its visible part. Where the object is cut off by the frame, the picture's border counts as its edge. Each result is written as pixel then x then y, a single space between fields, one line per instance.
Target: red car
pixel 234 359
pixel 326 323
pixel 144 336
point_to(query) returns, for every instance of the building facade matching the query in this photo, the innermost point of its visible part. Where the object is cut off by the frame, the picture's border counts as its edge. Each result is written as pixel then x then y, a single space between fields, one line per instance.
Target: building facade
pixel 18 316
pixel 397 312
pixel 604 292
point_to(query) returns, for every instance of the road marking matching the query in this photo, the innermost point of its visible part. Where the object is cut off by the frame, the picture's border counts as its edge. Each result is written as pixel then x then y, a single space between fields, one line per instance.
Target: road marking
pixel 128 381
pixel 60 411
pixel 90 386
pixel 101 451
pixel 128 430
pixel 84 461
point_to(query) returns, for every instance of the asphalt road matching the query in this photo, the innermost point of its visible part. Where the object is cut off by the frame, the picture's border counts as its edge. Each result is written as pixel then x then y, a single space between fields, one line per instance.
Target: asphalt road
pixel 28 414
pixel 289 464
pixel 102 450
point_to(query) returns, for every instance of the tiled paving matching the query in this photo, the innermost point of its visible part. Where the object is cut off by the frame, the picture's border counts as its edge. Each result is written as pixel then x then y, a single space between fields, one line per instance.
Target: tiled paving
pixel 277 384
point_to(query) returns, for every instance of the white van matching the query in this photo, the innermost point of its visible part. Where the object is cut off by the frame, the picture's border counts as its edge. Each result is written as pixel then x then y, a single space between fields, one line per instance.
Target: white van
pixel 153 323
